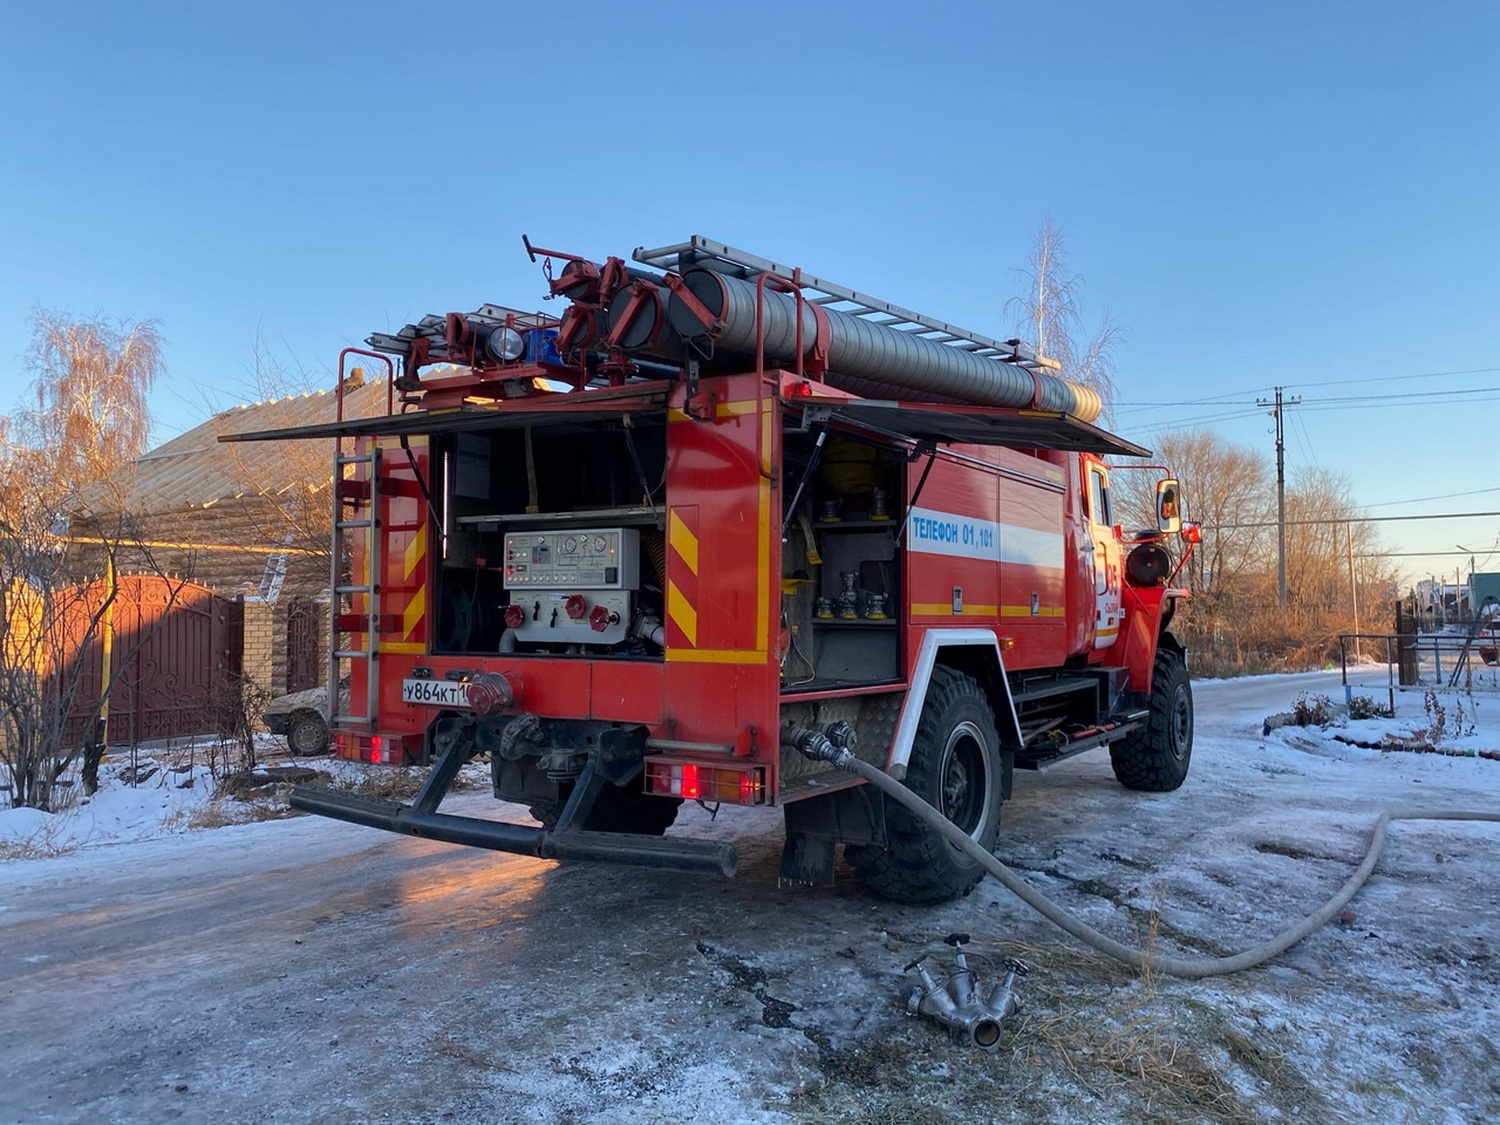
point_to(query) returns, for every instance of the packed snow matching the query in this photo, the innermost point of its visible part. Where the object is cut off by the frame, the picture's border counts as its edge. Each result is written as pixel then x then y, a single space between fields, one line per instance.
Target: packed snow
pixel 305 970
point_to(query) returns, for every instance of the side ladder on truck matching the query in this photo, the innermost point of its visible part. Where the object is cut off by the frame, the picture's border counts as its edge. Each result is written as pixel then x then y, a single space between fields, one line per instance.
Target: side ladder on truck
pixel 364 497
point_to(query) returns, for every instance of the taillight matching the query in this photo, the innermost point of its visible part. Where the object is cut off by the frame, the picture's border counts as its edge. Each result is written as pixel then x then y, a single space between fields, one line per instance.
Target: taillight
pixel 381 749
pixel 703 781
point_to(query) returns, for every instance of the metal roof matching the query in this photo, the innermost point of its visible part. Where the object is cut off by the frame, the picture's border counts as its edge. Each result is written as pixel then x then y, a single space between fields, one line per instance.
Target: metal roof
pixel 194 470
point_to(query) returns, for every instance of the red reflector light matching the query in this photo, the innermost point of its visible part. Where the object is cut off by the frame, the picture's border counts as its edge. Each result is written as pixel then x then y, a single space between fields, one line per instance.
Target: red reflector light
pixel 703 781
pixel 384 749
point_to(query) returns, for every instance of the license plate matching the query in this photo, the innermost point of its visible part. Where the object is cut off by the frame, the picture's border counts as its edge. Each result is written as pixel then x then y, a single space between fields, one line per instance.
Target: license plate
pixel 435 693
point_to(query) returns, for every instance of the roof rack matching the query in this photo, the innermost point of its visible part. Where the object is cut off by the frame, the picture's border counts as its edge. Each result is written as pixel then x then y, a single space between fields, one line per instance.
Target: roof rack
pixel 705 252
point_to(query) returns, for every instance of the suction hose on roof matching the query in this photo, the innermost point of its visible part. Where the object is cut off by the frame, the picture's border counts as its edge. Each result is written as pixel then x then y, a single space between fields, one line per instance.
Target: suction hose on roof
pixel 1173 966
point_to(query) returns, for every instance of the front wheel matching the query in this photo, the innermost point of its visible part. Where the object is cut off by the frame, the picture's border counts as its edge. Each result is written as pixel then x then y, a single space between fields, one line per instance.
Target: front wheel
pixel 1154 759
pixel 307 737
pixel 955 767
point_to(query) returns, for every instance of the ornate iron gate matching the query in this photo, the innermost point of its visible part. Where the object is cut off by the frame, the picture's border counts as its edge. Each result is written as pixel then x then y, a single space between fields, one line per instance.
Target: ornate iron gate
pixel 303 668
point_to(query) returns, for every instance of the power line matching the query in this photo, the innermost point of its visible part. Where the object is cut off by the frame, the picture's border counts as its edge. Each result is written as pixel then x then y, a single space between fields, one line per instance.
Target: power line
pixel 1347 403
pixel 1414 394
pixel 1351 519
pixel 1424 499
pixel 1346 407
pixel 1397 378
pixel 1227 397
pixel 1414 554
pixel 1181 423
pixel 1304 439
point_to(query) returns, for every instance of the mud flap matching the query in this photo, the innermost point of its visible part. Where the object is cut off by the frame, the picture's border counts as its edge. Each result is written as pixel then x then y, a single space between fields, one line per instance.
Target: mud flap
pixel 814 825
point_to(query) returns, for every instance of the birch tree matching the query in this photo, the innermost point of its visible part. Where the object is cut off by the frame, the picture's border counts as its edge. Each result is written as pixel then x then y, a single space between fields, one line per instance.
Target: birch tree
pixel 1049 317
pixel 86 417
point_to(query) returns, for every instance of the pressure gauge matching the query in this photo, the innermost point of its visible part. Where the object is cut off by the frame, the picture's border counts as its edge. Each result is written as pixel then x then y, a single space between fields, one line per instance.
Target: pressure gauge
pixel 570 544
pixel 599 543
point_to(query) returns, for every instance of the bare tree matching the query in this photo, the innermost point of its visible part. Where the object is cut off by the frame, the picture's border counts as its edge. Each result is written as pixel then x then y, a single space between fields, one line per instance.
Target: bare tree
pixel 87 417
pixel 1328 551
pixel 1049 316
pixel 1235 621
pixel 92 380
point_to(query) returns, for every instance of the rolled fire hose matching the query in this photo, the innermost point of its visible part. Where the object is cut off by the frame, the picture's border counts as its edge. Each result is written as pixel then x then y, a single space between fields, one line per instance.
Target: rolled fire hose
pixel 1173 966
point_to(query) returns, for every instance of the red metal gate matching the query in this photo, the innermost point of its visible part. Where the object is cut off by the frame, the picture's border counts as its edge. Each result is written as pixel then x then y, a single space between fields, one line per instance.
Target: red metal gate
pixel 170 642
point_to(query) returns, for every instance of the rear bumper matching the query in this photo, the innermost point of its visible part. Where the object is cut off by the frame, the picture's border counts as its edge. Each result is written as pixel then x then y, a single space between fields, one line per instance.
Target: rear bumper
pixel 693 856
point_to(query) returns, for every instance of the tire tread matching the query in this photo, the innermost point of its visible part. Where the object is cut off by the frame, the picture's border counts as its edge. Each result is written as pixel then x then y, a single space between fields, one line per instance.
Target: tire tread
pixel 917 865
pixel 1143 760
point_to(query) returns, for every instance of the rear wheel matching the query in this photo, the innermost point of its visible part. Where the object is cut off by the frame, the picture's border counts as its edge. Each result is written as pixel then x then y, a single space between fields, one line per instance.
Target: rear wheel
pixel 955 766
pixel 1155 758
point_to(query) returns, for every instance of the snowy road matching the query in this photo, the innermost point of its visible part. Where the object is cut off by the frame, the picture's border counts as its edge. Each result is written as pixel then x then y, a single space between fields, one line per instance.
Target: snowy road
pixel 309 971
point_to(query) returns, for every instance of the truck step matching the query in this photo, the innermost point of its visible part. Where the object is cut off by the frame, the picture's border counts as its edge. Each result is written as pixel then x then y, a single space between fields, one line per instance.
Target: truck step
pixel 693 856
pixel 1043 689
pixel 1041 754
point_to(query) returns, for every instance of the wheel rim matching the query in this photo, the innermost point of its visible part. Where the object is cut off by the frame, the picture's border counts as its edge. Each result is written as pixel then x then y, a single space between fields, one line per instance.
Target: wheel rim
pixel 306 738
pixel 963 782
pixel 1180 723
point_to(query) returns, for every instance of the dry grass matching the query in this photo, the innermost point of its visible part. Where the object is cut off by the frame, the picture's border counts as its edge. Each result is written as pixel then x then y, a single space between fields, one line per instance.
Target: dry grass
pixel 1092 1034
pixel 402 783
pixel 390 783
pixel 217 814
pixel 31 848
pixel 222 813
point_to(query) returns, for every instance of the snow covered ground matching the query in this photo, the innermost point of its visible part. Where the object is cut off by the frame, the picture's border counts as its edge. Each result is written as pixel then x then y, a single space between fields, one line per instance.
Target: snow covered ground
pixel 302 970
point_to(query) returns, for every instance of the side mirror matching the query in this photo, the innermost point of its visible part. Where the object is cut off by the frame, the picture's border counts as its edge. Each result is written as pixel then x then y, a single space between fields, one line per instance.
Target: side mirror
pixel 1168 506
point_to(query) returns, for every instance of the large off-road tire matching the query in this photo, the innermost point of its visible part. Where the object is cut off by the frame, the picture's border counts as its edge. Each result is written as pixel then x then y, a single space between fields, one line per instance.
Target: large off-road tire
pixel 619 809
pixel 1155 758
pixel 955 766
pixel 307 735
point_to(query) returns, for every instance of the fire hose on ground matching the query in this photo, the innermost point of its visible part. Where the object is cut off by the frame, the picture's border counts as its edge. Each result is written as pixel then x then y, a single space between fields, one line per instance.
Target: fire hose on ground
pixel 1173 966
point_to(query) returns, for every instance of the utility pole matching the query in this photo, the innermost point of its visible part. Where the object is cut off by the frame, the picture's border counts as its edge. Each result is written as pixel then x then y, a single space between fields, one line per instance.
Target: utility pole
pixel 1353 587
pixel 1277 412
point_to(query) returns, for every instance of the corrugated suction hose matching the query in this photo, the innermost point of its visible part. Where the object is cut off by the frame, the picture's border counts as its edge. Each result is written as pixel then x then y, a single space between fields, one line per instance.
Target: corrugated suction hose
pixel 1173 966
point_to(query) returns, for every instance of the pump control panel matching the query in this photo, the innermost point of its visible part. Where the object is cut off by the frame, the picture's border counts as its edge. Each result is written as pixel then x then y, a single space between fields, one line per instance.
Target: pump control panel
pixel 574 559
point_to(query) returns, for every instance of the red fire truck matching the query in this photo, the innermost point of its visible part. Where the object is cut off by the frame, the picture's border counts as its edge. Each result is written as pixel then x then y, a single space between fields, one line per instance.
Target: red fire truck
pixel 717 513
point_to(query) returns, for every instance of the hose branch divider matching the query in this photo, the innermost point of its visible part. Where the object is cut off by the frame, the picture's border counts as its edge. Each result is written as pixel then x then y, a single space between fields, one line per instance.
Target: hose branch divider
pixel 1173 966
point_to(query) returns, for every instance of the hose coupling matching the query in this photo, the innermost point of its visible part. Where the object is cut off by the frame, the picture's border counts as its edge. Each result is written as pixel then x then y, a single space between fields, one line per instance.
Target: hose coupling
pixel 493 691
pixel 816 745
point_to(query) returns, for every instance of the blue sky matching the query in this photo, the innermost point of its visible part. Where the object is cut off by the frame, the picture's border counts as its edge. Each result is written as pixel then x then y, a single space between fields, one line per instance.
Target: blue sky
pixel 1258 194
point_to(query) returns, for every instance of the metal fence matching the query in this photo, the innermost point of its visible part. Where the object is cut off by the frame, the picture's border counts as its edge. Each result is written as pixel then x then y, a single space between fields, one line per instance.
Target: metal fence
pixel 1423 660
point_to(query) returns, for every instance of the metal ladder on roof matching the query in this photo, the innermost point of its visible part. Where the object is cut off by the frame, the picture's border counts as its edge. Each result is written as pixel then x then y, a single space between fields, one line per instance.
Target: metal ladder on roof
pixel 361 494
pixel 700 251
